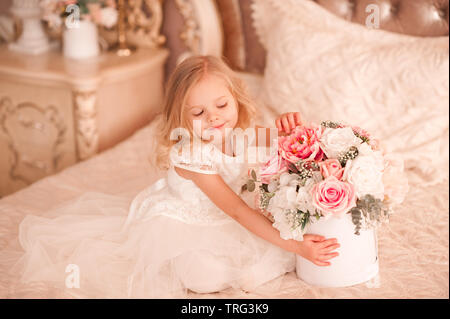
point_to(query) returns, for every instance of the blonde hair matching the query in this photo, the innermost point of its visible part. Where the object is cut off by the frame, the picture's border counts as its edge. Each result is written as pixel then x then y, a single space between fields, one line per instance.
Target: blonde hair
pixel 183 78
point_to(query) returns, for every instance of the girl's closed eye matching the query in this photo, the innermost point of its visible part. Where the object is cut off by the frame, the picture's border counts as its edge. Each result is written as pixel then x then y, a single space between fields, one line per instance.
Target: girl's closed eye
pixel 198 113
pixel 223 105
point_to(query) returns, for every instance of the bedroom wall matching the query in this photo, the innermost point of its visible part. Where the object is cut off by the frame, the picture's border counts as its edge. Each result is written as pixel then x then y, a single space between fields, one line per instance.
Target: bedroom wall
pixel 4 5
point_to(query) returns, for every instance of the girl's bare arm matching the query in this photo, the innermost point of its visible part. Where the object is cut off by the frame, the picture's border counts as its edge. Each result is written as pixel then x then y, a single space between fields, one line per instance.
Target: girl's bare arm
pixel 315 248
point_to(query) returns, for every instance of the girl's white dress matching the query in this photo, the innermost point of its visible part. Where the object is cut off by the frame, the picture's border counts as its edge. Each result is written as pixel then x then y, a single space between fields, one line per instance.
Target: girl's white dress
pixel 171 239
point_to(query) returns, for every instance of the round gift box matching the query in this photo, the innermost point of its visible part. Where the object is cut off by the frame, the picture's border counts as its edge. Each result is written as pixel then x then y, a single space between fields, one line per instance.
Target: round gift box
pixel 358 255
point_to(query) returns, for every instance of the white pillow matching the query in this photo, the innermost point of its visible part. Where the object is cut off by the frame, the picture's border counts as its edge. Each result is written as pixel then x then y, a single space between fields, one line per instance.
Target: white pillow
pixel 394 86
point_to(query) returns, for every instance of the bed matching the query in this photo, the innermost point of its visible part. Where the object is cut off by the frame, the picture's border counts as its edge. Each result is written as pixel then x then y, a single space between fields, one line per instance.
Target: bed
pixel 405 103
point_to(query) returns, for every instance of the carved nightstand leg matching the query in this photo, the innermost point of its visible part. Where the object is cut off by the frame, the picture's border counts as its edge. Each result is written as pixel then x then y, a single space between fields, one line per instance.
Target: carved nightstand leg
pixel 86 124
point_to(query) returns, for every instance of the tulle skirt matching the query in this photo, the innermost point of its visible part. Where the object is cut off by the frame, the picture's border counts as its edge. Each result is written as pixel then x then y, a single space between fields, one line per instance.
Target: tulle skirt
pixel 82 249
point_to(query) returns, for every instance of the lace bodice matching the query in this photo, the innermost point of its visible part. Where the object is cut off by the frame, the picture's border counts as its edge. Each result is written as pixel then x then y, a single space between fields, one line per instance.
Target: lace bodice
pixel 180 198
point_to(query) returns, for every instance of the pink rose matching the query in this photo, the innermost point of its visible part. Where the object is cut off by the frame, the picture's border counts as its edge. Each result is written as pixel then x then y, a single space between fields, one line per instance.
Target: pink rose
pixel 302 143
pixel 331 167
pixel 275 165
pixel 334 197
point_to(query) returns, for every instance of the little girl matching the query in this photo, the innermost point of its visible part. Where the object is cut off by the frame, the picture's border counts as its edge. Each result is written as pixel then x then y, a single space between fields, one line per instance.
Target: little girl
pixel 190 230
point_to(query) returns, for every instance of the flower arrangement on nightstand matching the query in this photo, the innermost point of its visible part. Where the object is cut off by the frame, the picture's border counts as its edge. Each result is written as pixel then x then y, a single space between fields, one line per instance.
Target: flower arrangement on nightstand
pixel 100 12
pixel 78 20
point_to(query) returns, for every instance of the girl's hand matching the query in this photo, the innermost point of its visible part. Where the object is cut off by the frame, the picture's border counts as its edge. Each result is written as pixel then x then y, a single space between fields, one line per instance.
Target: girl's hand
pixel 317 249
pixel 288 121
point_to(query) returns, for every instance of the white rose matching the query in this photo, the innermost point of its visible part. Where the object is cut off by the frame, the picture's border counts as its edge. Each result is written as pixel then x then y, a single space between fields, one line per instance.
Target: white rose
pixel 365 172
pixel 366 150
pixel 336 141
pixel 272 187
pixel 291 195
pixel 284 198
pixel 303 200
pixel 287 179
pixel 282 223
pixel 109 17
pixel 278 206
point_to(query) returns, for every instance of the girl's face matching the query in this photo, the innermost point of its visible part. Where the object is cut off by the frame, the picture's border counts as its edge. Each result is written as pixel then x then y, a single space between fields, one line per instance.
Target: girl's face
pixel 212 105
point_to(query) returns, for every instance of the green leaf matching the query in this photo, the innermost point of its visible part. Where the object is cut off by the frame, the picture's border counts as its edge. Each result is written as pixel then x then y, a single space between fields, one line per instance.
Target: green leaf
pixel 305 219
pixel 356 219
pixel 253 174
pixel 292 168
pixel 250 185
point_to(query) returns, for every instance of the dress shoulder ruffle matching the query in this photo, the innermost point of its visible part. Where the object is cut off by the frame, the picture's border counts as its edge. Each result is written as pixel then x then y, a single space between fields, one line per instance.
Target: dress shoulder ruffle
pixel 198 157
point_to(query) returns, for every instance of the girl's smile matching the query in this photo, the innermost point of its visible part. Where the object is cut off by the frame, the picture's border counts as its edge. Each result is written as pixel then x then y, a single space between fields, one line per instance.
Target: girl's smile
pixel 217 126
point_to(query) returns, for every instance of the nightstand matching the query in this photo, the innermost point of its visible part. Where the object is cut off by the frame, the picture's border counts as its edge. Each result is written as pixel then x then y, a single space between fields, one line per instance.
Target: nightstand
pixel 56 111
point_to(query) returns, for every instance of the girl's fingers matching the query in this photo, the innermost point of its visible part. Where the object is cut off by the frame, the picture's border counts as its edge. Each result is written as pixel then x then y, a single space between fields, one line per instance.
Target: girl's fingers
pixel 278 124
pixel 328 242
pixel 288 121
pixel 329 248
pixel 285 123
pixel 327 256
pixel 298 118
pixel 314 237
pixel 291 120
pixel 321 263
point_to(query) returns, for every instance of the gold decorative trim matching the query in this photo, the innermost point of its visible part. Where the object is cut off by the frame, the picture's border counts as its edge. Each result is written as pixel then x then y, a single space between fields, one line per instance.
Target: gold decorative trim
pixel 143 24
pixel 7 109
pixel 86 124
pixel 191 31
pixel 202 31
pixel 144 21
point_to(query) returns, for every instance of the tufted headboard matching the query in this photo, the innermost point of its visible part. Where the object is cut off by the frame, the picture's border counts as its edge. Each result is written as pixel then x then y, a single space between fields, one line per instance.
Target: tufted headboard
pixel 234 37
pixel 425 18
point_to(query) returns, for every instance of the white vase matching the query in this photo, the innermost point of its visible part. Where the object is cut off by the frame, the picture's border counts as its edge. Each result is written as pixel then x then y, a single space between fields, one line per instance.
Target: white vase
pixel 81 41
pixel 33 39
pixel 358 255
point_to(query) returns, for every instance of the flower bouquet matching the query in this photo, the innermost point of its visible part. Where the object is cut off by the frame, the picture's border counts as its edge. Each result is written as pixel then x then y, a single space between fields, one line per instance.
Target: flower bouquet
pixel 78 21
pixel 332 180
pixel 100 12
